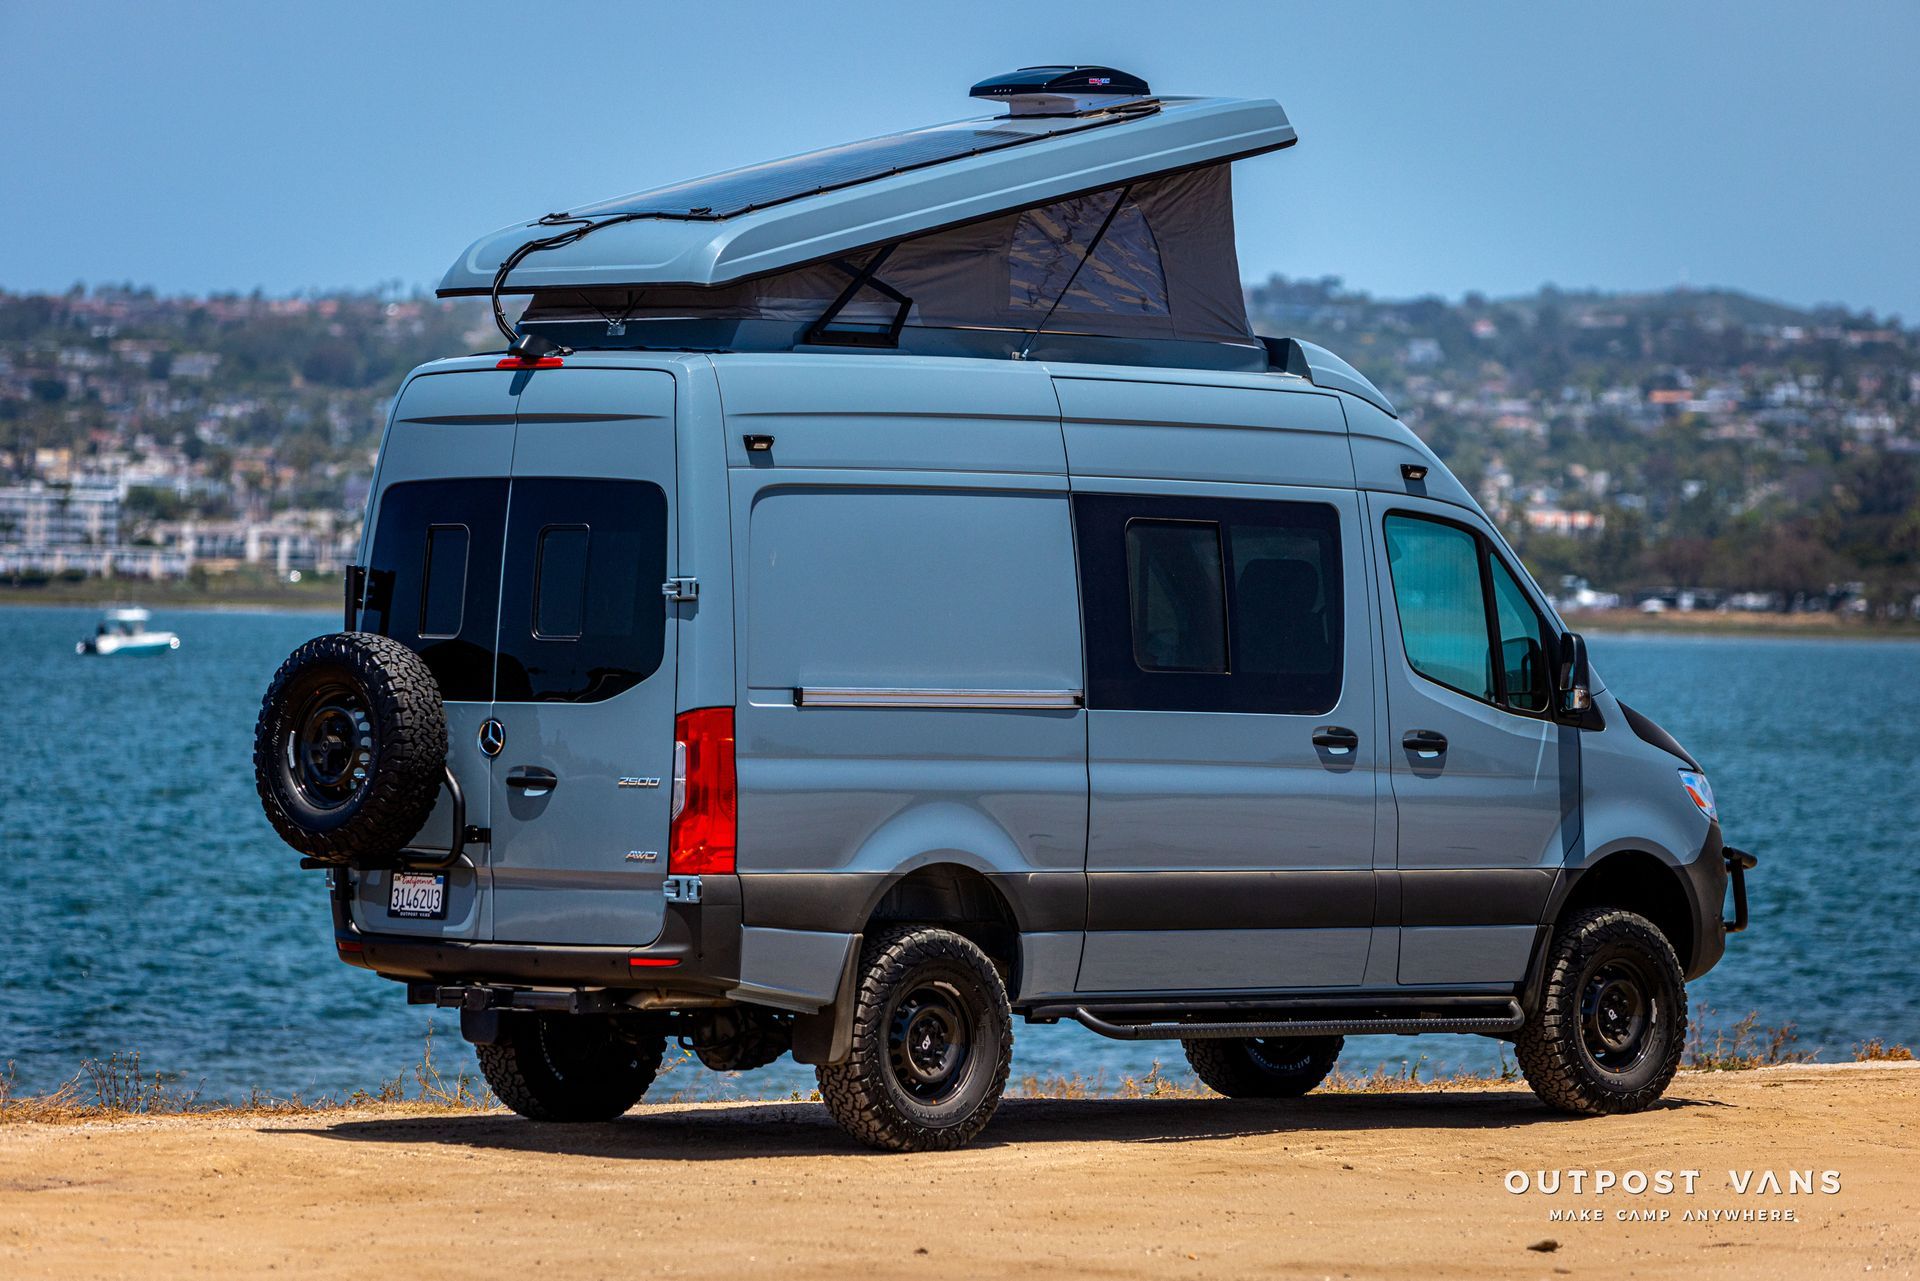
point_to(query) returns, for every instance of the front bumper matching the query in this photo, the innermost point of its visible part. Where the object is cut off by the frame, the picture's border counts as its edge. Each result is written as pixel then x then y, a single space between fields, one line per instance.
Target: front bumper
pixel 1739 863
pixel 1718 868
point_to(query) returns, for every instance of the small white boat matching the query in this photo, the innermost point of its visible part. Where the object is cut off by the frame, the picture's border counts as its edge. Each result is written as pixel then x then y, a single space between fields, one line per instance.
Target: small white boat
pixel 125 631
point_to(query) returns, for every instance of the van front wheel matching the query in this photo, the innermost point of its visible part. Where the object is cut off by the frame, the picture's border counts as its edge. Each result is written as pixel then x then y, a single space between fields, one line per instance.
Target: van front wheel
pixel 1263 1067
pixel 932 1043
pixel 1612 1020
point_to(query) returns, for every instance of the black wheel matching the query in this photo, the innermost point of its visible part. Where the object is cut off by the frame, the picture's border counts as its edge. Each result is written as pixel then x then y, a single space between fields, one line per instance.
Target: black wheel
pixel 1264 1067
pixel 570 1067
pixel 1612 1020
pixel 350 747
pixel 932 1042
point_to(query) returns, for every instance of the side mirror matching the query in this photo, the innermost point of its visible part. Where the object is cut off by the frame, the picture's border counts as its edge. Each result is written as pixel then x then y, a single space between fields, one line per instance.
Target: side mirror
pixel 1575 679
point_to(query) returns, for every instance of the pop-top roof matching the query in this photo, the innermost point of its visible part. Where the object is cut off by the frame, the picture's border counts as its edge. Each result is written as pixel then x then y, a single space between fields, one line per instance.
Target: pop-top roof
pixel 738 191
pixel 784 213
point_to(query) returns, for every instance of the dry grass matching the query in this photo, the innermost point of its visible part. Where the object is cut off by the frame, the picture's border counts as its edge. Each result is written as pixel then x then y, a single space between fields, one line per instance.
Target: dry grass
pixel 1878 1051
pixel 1742 1046
pixel 118 1087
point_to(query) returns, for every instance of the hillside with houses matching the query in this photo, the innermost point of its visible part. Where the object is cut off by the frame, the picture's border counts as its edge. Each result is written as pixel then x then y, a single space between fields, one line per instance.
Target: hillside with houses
pixel 1689 449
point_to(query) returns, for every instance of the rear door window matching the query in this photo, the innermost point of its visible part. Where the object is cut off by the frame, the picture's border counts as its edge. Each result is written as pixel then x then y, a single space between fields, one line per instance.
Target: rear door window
pixel 432 577
pixel 582 615
pixel 443 597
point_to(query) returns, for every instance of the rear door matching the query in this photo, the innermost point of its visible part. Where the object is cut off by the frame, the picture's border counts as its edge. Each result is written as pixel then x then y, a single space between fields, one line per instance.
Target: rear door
pixel 581 784
pixel 433 584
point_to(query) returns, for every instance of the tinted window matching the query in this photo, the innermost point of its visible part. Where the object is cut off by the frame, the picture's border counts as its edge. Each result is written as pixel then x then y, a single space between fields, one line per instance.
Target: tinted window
pixel 582 617
pixel 1286 618
pixel 1210 605
pixel 1178 599
pixel 1442 575
pixel 1443 609
pixel 431 577
pixel 560 582
pixel 1523 654
pixel 443 597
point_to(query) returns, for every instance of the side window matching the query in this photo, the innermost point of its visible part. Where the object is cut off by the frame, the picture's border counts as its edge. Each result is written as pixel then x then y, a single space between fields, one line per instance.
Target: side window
pixel 581 614
pixel 1177 595
pixel 1465 621
pixel 432 577
pixel 1443 606
pixel 1523 654
pixel 1210 605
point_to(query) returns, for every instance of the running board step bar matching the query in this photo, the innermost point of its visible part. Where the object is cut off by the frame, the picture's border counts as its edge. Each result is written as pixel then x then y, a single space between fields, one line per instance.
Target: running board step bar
pixel 1510 1020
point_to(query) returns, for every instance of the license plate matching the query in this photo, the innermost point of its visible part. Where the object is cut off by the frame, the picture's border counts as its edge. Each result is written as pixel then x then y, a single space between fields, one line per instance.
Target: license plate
pixel 421 895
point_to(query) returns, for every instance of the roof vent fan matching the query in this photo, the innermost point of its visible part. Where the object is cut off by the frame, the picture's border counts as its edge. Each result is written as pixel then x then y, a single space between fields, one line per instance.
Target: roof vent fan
pixel 1062 91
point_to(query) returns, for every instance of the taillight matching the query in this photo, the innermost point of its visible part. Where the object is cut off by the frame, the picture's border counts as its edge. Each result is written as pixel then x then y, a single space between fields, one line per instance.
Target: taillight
pixel 704 809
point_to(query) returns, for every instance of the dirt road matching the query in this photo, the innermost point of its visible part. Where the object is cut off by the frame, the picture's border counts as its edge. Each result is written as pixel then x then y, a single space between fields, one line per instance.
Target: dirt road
pixel 1404 1185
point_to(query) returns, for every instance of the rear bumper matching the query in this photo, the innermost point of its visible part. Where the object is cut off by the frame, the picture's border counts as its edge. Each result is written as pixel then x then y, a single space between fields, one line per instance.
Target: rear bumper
pixel 697 954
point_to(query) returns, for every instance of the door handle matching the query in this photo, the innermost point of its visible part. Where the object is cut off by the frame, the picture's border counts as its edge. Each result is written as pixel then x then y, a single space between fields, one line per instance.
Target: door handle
pixel 532 780
pixel 1338 740
pixel 1425 743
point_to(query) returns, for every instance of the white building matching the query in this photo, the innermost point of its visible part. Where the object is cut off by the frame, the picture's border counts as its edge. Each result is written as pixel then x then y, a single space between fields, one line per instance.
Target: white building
pixel 37 516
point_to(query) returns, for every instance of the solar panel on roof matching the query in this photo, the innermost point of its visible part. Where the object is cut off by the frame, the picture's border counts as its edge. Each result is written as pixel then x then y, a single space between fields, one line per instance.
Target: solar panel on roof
pixel 739 191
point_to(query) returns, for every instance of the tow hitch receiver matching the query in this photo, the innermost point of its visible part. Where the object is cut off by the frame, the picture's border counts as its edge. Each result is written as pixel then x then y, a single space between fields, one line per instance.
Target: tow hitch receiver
pixel 488 996
pixel 1738 863
pixel 480 1004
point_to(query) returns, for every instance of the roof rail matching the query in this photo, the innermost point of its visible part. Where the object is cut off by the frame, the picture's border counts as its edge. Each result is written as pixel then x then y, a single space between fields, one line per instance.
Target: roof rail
pixel 1323 369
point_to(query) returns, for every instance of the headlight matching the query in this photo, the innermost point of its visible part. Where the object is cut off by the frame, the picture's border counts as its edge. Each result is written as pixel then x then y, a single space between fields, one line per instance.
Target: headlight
pixel 1700 792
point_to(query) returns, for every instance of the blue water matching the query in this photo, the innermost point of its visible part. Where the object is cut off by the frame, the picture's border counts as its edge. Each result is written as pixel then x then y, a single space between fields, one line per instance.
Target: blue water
pixel 147 905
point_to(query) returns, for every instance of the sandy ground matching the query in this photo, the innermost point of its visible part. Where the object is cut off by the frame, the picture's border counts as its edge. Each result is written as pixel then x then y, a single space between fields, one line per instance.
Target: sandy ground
pixel 1408 1185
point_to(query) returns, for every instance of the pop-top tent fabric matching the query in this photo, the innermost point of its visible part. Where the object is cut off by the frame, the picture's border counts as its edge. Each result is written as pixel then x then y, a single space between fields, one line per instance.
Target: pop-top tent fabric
pixel 1148 259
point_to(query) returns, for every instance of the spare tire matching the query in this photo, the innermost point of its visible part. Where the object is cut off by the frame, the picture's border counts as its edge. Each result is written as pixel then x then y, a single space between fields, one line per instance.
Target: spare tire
pixel 351 747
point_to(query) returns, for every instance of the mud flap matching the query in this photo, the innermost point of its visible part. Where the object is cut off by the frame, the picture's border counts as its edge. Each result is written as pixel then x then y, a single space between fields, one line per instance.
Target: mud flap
pixel 480 1027
pixel 826 1036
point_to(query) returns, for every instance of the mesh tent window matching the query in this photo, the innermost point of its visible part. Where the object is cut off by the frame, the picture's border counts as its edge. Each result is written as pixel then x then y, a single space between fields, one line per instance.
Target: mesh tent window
pixel 1124 275
pixel 1166 268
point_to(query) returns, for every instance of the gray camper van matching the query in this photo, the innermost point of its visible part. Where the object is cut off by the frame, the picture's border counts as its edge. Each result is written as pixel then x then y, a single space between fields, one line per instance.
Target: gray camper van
pixel 889 590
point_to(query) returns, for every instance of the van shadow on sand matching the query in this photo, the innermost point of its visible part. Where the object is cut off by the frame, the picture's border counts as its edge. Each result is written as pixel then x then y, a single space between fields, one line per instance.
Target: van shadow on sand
pixel 687 1132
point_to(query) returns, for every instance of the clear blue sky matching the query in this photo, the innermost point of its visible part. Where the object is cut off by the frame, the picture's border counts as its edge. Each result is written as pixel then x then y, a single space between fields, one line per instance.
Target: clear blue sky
pixel 1444 147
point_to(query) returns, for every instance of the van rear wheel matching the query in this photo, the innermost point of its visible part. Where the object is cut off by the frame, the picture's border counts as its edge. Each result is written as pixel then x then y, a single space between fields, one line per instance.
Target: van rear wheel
pixel 932 1043
pixel 1612 1021
pixel 570 1067
pixel 1263 1067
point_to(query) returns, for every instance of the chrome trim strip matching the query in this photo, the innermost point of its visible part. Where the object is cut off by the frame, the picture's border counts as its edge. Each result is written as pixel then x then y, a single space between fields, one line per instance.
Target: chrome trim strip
pixel 975 698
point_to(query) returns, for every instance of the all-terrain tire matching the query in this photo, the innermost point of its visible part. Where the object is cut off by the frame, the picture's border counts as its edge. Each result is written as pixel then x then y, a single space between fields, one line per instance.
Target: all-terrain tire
pixel 932 1043
pixel 350 747
pixel 570 1067
pixel 1263 1067
pixel 1612 1021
